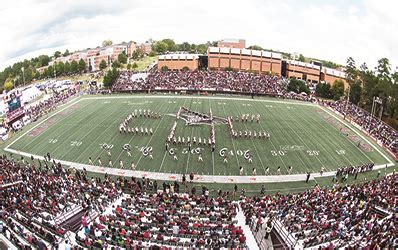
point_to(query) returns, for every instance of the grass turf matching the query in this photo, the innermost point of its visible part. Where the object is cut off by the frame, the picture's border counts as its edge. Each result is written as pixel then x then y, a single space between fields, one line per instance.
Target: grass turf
pixel 302 136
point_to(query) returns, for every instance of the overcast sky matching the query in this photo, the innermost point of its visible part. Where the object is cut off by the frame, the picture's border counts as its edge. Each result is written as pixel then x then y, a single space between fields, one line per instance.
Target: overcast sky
pixel 331 30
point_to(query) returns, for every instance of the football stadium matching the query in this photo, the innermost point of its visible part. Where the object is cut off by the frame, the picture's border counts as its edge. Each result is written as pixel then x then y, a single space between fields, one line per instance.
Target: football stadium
pixel 220 145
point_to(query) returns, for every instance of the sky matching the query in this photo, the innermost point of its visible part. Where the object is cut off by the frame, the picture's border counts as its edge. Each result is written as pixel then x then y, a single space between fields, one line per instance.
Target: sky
pixel 332 30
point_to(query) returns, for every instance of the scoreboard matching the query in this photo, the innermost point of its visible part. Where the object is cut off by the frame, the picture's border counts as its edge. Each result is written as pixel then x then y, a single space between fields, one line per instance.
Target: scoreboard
pixel 13 103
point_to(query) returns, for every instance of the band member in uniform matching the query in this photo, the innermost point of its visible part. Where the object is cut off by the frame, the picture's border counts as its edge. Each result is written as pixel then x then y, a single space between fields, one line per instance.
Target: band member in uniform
pixel 241 170
pixel 200 158
pixel 267 171
pixel 132 165
pixel 121 164
pixel 225 159
pixel 254 171
pixel 110 163
pixel 289 170
pixel 99 161
pixel 90 161
pixel 279 170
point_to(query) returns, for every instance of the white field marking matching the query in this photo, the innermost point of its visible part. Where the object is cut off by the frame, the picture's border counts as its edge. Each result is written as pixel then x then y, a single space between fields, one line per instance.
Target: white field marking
pixel 189 153
pixel 212 153
pixel 322 146
pixel 222 180
pixel 150 139
pixel 199 97
pixel 121 152
pixel 202 178
pixel 67 152
pixel 324 125
pixel 60 121
pixel 44 121
pixel 298 136
pixel 165 153
pixel 251 139
pixel 99 136
pixel 232 140
pixel 132 137
pixel 273 145
pixel 356 132
pixel 161 164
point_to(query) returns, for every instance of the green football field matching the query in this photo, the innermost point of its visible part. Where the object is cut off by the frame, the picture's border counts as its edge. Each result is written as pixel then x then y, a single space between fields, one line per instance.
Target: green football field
pixel 304 136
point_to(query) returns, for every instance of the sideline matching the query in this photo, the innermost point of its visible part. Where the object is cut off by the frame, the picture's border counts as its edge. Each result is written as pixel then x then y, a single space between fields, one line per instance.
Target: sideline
pixel 198 178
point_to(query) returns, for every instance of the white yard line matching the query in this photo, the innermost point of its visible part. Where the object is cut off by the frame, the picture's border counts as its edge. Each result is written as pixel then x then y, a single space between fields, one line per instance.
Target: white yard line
pixel 251 139
pixel 202 97
pixel 298 136
pixel 212 152
pixel 201 178
pixel 150 139
pixel 17 139
pixel 273 145
pixel 204 178
pixel 233 144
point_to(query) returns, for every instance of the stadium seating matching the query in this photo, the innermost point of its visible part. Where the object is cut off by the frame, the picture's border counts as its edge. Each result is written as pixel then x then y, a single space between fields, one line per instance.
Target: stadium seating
pixel 359 215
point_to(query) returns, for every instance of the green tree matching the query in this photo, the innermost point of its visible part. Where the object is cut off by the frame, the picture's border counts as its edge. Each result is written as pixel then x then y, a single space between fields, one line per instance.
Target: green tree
pixel 111 77
pixel 160 47
pixel 74 67
pixel 8 85
pixel 82 66
pixel 129 66
pixel 122 58
pixel 137 54
pixel 301 58
pixel 185 68
pixel 116 64
pixel 134 66
pixel 57 54
pixel 171 45
pixel 164 68
pixel 67 68
pixel 297 86
pixel 355 92
pixel 201 48
pixel 107 42
pixel 255 47
pixel 323 90
pixel 60 68
pixel 185 46
pixel 66 53
pixel 337 89
pixel 102 64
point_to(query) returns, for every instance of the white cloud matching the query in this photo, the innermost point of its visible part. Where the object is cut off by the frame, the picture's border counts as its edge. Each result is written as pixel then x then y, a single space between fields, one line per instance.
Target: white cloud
pixel 321 29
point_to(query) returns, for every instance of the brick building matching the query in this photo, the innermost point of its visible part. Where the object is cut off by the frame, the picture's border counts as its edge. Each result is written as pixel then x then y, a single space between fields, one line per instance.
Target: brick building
pixel 179 61
pixel 258 61
pixel 301 70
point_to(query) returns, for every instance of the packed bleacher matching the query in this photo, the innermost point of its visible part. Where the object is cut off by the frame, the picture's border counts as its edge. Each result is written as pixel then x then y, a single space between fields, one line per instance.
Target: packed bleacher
pixel 166 219
pixel 379 130
pixel 356 216
pixel 36 198
pixel 241 82
pixel 36 111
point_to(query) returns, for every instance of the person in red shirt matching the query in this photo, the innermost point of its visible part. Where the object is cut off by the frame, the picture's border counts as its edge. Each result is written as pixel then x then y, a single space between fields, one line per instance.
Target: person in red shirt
pixel 242 239
pixel 147 235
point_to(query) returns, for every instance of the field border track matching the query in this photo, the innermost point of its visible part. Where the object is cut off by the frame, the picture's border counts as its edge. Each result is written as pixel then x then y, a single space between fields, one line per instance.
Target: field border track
pixel 198 178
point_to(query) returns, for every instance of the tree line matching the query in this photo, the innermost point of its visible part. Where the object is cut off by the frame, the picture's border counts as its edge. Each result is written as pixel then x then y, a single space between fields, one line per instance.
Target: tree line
pixel 365 84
